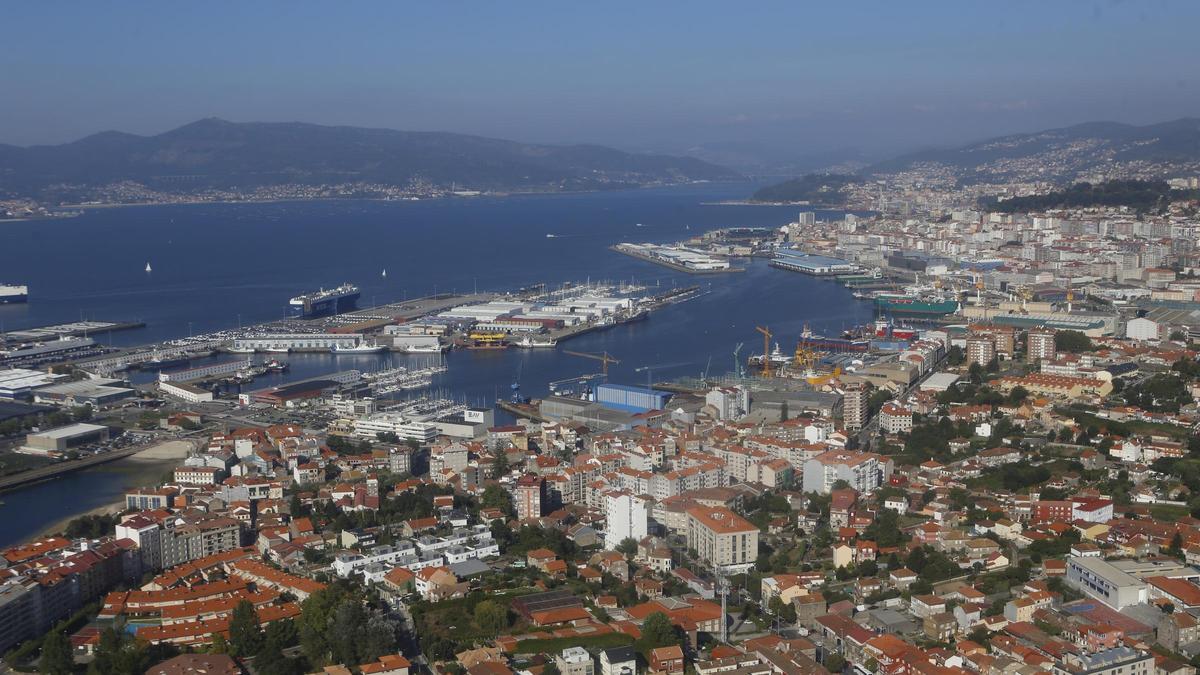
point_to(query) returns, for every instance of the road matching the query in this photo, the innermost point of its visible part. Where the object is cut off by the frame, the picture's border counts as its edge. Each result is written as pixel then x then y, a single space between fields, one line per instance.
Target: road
pixel 870 429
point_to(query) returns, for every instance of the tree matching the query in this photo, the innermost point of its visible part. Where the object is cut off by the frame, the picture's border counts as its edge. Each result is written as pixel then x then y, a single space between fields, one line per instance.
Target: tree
pixel 219 644
pixel 776 605
pixel 271 661
pixel 783 412
pixel 628 547
pixel 245 635
pixel 789 613
pixel 491 617
pixel 975 372
pixel 57 658
pixel 955 356
pixel 500 466
pixel 1018 394
pixel 834 663
pixel 551 668
pixel 1072 341
pixel 495 497
pixel 282 633
pixel 657 631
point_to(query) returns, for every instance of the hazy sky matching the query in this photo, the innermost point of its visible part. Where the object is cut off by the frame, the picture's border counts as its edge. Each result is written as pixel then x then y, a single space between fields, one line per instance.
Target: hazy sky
pixel 881 76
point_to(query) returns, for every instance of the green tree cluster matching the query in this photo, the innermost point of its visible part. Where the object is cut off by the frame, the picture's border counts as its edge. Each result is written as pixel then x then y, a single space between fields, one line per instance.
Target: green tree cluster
pixel 338 625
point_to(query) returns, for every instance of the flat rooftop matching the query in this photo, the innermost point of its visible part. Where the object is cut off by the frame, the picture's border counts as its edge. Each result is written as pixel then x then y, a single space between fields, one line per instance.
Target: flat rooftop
pixel 71 430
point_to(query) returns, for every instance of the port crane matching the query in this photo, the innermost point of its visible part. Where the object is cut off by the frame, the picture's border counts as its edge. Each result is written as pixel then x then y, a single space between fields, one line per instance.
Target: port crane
pixel 766 355
pixel 737 364
pixel 603 357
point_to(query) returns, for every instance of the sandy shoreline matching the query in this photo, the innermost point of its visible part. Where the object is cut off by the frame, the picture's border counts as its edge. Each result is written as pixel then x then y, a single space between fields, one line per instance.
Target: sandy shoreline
pixel 148 462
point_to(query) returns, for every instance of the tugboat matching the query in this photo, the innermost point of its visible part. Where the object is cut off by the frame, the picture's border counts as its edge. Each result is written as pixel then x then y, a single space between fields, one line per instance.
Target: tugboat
pixel 275 366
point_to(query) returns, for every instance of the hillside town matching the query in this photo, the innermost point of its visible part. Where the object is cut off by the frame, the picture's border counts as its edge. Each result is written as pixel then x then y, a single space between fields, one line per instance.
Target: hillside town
pixel 1011 485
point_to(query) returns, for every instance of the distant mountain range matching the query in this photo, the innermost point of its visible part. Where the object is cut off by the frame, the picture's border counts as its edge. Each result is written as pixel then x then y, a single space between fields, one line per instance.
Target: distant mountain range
pixel 1066 153
pixel 216 154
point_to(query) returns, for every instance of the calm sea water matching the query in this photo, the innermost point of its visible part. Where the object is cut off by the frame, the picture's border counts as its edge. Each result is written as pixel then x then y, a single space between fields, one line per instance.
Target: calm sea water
pixel 217 264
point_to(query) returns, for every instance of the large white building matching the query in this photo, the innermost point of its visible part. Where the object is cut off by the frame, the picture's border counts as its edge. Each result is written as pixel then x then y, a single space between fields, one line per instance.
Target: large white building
pixel 895 418
pixel 1143 329
pixel 864 471
pixel 626 517
pixel 731 403
pixel 370 427
pixel 1105 582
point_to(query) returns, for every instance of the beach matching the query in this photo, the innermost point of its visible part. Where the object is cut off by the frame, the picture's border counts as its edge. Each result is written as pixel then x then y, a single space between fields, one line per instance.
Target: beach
pixel 147 465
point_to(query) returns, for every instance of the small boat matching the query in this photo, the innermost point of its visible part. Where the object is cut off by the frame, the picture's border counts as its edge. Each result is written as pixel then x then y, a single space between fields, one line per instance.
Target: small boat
pixel 275 366
pixel 277 350
pixel 241 350
pixel 148 268
pixel 384 275
pixel 551 236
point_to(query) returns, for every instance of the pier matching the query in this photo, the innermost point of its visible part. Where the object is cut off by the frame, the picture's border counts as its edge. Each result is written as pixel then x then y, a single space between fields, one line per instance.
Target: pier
pixel 72 329
pixel 679 259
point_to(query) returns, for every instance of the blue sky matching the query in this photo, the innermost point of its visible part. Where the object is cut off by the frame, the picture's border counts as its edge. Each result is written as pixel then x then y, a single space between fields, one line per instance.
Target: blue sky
pixel 789 77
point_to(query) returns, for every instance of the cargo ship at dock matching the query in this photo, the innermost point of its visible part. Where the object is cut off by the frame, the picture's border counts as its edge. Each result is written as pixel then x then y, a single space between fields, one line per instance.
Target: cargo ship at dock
pixel 324 302
pixel 915 307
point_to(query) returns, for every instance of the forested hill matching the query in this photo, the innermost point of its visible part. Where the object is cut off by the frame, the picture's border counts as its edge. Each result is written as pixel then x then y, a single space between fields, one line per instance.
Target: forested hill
pixel 214 153
pixel 1140 195
pixel 818 189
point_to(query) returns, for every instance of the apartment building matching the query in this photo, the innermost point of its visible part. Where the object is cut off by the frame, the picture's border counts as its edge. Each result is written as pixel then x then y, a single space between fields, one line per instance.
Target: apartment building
pixel 864 471
pixel 722 538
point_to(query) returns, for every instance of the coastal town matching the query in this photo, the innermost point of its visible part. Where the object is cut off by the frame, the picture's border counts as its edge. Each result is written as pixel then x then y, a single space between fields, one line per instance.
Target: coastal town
pixel 999 475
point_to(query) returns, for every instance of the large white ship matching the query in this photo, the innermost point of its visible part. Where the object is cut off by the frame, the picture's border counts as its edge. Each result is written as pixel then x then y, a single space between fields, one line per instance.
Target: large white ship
pixel 360 348
pixel 10 293
pixel 324 302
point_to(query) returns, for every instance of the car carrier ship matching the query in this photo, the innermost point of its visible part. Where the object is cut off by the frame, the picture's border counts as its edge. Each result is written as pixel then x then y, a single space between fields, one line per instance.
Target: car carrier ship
pixel 13 293
pixel 323 302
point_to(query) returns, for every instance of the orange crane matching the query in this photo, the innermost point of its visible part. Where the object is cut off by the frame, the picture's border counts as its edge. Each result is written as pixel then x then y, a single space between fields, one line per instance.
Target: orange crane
pixel 766 356
pixel 603 357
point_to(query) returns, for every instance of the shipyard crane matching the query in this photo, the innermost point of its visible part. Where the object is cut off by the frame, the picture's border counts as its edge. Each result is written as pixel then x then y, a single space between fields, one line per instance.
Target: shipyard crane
pixel 603 357
pixel 737 364
pixel 766 355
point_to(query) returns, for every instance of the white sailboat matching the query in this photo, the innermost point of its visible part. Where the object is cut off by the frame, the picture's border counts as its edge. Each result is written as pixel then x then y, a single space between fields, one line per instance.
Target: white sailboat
pixel 148 268
pixel 384 275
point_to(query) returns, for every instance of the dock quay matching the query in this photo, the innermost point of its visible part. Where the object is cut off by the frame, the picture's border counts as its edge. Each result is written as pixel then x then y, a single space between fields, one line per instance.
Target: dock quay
pixel 72 329
pixel 679 258
pixel 795 260
pixel 522 410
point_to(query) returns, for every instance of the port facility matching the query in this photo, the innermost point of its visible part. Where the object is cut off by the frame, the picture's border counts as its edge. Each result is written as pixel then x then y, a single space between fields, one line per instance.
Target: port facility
pixel 815 265
pixel 678 258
